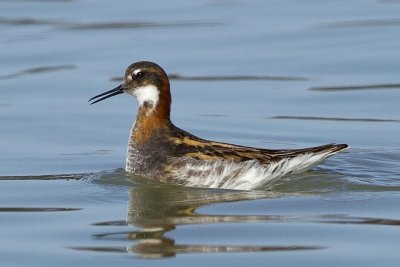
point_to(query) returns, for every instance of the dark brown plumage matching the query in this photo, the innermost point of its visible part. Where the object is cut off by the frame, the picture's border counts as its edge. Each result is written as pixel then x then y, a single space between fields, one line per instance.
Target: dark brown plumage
pixel 159 150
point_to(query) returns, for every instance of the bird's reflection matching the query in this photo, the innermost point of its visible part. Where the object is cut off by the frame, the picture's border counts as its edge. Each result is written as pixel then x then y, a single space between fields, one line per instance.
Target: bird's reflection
pixel 160 210
pixel 153 211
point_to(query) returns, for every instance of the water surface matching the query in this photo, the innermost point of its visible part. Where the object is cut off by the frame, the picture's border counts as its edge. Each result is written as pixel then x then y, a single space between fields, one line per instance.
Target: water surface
pixel 273 74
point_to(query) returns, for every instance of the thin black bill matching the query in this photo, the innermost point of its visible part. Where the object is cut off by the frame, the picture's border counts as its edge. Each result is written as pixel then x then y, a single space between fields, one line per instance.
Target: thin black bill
pixel 116 91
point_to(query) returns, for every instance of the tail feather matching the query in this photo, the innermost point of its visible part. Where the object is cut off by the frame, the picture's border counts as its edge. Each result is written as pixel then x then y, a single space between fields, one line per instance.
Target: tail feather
pixel 318 154
pixel 332 148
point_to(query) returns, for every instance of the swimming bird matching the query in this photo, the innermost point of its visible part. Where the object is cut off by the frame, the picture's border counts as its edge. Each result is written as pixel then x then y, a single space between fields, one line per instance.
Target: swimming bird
pixel 160 151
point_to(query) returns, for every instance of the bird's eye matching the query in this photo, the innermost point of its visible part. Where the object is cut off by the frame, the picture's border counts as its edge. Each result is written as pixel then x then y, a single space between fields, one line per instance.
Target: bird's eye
pixel 139 75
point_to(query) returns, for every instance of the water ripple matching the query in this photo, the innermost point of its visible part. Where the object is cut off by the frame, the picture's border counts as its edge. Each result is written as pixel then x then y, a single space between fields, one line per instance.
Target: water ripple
pixel 134 25
pixel 315 118
pixel 356 87
pixel 30 22
pixel 37 70
pixel 164 249
pixel 76 176
pixel 30 209
pixel 62 24
pixel 360 23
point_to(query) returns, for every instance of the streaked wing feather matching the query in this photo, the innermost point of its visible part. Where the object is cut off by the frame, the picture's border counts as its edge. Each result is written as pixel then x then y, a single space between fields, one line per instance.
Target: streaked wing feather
pixel 196 148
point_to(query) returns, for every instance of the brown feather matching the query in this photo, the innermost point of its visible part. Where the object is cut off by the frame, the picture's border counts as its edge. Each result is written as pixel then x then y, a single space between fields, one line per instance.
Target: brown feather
pixel 193 147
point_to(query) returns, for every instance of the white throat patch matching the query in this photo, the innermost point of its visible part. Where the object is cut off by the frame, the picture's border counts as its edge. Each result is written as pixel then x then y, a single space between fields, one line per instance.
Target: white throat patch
pixel 148 93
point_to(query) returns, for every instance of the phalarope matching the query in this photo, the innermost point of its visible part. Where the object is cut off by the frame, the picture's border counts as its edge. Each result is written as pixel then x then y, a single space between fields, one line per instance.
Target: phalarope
pixel 159 150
